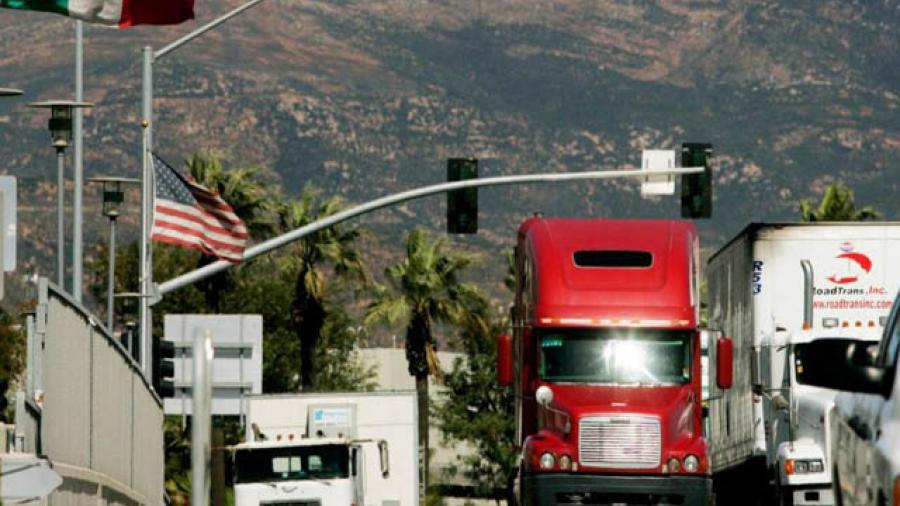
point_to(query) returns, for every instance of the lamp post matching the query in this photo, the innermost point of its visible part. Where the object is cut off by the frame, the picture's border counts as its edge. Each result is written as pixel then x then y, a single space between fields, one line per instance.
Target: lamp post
pixel 60 136
pixel 113 197
pixel 9 92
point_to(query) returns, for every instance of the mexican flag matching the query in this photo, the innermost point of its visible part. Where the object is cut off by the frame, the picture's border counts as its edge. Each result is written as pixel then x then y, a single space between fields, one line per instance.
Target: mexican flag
pixel 121 13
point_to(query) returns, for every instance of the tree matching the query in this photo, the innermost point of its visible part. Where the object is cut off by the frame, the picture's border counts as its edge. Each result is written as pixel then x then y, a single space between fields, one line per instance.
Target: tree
pixel 476 410
pixel 836 205
pixel 423 290
pixel 12 358
pixel 334 246
pixel 243 190
pixel 339 367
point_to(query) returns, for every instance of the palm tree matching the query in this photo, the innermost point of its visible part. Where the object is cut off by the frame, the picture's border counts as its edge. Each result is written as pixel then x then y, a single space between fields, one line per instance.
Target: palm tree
pixel 424 289
pixel 334 246
pixel 837 205
pixel 242 189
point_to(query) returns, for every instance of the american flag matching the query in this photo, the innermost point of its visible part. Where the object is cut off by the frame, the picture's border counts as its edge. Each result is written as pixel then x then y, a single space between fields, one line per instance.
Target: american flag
pixel 195 217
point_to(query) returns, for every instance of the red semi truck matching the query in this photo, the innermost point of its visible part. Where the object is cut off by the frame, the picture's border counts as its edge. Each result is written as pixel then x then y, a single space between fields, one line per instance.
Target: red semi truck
pixel 605 363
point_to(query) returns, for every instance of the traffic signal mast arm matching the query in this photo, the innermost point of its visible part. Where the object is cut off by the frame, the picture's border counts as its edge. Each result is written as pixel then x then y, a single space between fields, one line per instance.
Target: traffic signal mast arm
pixel 296 234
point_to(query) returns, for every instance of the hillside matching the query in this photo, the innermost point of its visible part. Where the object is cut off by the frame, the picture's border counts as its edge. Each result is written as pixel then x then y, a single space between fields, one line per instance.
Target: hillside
pixel 367 98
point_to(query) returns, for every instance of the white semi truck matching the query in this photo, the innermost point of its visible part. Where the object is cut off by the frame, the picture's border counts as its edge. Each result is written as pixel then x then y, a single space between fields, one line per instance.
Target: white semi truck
pixel 770 288
pixel 330 449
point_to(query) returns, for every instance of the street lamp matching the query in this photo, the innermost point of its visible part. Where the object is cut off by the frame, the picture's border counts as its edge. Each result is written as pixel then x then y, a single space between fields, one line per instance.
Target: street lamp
pixel 113 197
pixel 9 92
pixel 60 136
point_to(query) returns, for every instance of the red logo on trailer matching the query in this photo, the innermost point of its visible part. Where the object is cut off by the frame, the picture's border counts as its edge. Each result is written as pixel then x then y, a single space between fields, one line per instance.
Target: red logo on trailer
pixel 857 263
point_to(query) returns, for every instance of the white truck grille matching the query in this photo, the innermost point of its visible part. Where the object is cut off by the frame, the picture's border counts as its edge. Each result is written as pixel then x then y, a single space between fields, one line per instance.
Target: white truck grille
pixel 619 442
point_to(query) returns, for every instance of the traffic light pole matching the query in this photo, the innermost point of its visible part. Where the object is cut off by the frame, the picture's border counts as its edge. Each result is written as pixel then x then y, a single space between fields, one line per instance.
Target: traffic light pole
pixel 390 200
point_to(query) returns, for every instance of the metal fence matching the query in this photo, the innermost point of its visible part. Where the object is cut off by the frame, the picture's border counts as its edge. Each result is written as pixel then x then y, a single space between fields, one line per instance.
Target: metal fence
pixel 88 408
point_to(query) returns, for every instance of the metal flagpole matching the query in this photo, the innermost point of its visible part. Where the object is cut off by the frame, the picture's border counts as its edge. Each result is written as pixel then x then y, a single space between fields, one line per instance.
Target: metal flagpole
pixel 77 244
pixel 149 58
pixel 146 316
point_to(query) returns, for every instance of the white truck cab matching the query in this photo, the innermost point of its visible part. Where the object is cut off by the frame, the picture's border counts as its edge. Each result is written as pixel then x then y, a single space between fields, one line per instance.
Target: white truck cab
pixel 865 421
pixel 307 471
pixel 328 449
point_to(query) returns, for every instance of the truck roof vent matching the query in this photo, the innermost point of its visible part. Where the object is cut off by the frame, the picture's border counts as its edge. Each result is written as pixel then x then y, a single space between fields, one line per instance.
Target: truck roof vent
pixel 614 258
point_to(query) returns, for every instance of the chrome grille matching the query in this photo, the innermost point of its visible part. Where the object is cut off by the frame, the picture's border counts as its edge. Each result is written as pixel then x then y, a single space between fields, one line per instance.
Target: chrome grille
pixel 619 442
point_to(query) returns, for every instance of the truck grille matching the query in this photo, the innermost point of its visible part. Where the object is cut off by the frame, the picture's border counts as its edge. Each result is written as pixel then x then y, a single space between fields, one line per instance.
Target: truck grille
pixel 619 442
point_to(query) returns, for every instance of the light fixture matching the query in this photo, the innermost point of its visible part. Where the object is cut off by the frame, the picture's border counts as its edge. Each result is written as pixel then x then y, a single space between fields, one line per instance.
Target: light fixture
pixel 60 123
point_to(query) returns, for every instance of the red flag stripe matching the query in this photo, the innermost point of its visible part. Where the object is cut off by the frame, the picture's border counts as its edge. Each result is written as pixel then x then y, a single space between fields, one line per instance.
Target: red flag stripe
pixel 194 244
pixel 186 226
pixel 201 216
pixel 183 219
pixel 217 207
pixel 174 231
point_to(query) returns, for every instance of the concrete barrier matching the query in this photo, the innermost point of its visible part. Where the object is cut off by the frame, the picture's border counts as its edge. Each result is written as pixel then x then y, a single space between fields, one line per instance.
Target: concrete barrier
pixel 89 408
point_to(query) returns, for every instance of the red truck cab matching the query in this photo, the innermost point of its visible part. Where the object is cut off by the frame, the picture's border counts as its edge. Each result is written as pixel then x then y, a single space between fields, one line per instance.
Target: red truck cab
pixel 605 363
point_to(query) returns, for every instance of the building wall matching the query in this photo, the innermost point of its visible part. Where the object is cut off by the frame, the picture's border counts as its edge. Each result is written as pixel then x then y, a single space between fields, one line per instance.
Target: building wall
pixel 393 374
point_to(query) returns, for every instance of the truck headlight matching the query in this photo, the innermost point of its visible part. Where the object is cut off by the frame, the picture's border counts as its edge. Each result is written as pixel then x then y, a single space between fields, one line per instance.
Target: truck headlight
pixel 805 466
pixel 548 460
pixel 691 463
pixel 565 462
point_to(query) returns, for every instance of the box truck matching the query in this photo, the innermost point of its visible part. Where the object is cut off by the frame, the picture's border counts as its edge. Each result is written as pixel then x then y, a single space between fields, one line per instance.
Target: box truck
pixel 605 363
pixel 771 288
pixel 329 449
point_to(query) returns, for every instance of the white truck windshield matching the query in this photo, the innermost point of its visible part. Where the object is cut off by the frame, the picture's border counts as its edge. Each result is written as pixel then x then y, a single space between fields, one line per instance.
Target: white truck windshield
pixel 256 465
pixel 615 356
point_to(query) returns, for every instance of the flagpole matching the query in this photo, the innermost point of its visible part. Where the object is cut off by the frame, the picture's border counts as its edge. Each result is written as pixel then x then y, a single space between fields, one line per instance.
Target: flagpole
pixel 147 288
pixel 146 316
pixel 78 180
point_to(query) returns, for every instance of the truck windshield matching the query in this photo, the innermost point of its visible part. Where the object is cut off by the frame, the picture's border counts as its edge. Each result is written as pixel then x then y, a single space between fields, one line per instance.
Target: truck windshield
pixel 615 356
pixel 255 465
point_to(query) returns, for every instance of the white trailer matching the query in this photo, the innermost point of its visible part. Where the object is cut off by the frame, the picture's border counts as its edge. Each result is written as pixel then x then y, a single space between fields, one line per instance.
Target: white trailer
pixel 329 449
pixel 773 286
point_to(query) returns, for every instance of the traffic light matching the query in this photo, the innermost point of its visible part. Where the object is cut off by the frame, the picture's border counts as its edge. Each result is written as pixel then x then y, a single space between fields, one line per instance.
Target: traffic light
pixel 462 205
pixel 163 367
pixel 696 189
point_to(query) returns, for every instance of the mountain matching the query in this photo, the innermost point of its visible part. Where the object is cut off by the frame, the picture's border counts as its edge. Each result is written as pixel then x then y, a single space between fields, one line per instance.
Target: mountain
pixel 368 98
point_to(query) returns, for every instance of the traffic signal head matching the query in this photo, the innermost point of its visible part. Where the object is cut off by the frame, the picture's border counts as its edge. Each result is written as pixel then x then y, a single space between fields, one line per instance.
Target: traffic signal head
pixel 696 189
pixel 462 205
pixel 163 367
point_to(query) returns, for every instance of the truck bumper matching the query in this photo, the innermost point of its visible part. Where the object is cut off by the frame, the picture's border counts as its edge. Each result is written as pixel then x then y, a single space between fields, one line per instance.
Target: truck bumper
pixel 811 495
pixel 559 488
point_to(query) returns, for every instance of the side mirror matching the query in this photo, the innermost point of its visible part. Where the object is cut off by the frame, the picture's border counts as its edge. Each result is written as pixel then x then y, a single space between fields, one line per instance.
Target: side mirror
pixel 384 458
pixel 504 360
pixel 839 364
pixel 724 363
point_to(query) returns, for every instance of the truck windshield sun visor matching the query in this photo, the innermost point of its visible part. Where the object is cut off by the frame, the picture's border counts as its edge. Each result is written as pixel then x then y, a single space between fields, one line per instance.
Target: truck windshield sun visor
pixel 601 356
pixel 613 259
